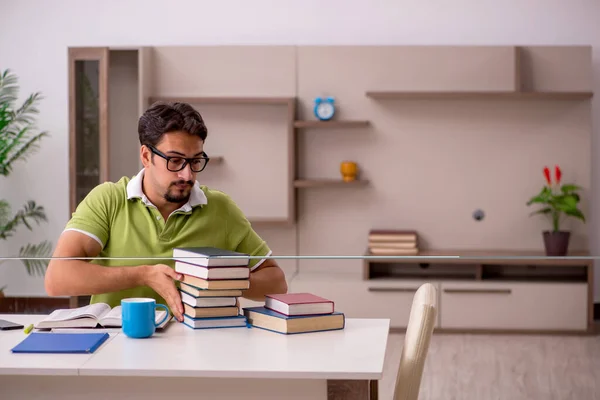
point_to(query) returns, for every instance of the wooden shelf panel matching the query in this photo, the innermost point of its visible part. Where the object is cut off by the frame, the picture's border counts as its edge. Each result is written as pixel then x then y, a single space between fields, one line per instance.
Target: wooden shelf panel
pixel 215 160
pixel 307 183
pixel 491 257
pixel 479 95
pixel 226 100
pixel 331 124
pixel 276 222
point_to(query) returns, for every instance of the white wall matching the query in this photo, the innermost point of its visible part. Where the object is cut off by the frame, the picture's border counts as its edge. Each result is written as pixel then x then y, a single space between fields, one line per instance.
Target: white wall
pixel 35 34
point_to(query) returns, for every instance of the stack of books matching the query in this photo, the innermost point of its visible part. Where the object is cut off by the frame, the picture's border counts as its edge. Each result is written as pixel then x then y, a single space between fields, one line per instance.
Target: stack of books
pixel 211 285
pixel 388 242
pixel 295 313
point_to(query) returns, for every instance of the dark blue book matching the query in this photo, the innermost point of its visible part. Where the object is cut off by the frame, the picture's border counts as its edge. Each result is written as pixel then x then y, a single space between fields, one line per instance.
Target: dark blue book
pixel 238 321
pixel 264 318
pixel 53 342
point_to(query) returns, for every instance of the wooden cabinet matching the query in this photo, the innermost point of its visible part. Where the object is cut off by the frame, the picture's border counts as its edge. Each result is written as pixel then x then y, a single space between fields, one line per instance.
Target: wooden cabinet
pixel 474 295
pixel 514 306
pixel 495 291
pixel 107 93
pixel 360 299
pixel 88 121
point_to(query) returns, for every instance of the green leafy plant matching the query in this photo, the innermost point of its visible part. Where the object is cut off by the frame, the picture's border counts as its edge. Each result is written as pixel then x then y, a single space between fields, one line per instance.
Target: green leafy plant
pixel 557 200
pixel 19 139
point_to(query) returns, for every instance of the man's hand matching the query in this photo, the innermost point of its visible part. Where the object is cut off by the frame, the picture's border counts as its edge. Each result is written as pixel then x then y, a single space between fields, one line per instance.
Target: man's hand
pixel 268 278
pixel 160 277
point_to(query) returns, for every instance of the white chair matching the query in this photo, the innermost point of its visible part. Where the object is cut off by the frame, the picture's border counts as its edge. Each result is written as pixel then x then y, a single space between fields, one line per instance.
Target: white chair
pixel 416 343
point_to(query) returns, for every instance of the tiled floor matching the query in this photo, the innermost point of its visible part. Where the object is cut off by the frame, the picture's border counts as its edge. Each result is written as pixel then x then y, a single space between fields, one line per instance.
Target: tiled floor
pixel 512 367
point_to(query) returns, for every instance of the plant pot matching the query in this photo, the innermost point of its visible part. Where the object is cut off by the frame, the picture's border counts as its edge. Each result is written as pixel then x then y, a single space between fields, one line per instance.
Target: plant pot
pixel 556 242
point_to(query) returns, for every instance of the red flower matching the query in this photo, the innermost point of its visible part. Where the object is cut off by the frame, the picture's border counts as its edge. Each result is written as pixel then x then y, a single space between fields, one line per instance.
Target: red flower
pixel 547 175
pixel 558 174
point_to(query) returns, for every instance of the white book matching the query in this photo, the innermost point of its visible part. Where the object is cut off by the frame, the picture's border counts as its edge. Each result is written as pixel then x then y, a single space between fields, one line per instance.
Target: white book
pixel 90 316
pixel 202 302
pixel 212 272
pixel 210 256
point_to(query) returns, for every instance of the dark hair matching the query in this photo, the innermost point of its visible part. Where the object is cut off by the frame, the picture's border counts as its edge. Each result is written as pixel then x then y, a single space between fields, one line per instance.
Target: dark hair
pixel 163 117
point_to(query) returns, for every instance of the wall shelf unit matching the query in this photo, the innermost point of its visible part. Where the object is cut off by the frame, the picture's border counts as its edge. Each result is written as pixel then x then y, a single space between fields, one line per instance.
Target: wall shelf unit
pixel 224 100
pixel 256 99
pixel 288 104
pixel 490 291
pixel 216 160
pixel 309 183
pixel 451 95
pixel 498 292
pixel 335 124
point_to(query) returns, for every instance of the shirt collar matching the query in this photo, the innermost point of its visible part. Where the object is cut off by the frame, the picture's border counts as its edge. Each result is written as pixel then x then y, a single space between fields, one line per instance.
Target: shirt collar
pixel 134 190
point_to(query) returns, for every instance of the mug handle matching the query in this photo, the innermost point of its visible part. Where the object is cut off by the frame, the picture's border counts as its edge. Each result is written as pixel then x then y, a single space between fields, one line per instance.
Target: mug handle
pixel 166 314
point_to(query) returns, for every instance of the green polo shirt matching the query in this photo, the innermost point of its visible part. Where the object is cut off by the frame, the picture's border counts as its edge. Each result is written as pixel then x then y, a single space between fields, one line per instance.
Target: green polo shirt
pixel 120 217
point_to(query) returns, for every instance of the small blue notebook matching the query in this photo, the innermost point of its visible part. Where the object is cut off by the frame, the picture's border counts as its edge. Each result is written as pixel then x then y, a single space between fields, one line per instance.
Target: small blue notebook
pixel 53 342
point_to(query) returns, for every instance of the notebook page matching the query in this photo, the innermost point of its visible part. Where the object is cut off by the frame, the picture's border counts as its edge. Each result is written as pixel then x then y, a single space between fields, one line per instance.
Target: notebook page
pixel 93 310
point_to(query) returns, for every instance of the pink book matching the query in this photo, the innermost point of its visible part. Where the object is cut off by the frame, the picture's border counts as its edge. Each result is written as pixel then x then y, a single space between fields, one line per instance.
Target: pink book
pixel 299 304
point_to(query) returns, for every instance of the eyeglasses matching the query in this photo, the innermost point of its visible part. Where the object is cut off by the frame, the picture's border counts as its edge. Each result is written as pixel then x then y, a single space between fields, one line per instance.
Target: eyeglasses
pixel 177 163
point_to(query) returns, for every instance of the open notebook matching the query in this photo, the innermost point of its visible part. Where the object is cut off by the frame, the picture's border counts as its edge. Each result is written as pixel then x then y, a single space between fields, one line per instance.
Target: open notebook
pixel 92 316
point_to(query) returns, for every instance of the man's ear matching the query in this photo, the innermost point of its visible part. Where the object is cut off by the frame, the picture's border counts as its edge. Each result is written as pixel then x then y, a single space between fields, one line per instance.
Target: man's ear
pixel 145 156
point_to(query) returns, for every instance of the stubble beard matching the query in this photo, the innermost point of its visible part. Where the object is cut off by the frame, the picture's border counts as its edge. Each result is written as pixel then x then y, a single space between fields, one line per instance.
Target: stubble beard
pixel 175 195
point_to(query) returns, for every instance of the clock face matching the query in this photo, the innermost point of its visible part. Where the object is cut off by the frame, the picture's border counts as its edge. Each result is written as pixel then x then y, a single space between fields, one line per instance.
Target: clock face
pixel 325 110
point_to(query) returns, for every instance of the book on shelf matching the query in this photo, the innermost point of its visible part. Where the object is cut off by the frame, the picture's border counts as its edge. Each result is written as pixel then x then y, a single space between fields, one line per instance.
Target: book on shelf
pixel 393 242
pixel 264 318
pixel 299 304
pixel 393 245
pixel 211 256
pixel 392 235
pixel 97 315
pixel 378 251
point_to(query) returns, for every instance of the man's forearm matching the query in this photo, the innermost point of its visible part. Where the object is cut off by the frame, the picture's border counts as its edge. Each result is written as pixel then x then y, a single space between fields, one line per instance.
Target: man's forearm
pixel 269 280
pixel 80 278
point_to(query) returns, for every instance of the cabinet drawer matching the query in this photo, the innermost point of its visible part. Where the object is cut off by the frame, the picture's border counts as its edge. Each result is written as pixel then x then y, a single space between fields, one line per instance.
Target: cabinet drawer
pixel 363 299
pixel 514 306
pixel 394 298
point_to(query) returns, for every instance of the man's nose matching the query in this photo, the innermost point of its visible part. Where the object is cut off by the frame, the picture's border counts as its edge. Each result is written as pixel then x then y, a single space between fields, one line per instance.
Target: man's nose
pixel 186 174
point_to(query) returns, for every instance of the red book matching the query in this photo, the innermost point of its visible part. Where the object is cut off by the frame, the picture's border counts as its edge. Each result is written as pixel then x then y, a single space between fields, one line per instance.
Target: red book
pixel 299 304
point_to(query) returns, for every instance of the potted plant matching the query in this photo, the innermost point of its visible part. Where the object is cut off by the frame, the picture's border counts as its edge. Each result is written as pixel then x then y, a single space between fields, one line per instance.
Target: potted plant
pixel 557 201
pixel 18 140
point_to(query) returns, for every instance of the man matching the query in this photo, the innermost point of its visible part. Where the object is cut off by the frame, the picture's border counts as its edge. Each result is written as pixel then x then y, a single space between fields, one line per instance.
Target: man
pixel 160 208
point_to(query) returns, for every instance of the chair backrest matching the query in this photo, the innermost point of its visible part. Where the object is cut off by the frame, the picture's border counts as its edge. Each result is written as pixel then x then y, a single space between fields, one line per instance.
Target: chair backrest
pixel 416 343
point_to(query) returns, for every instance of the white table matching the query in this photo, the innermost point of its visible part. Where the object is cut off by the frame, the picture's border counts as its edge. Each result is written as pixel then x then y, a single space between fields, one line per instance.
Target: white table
pixel 214 364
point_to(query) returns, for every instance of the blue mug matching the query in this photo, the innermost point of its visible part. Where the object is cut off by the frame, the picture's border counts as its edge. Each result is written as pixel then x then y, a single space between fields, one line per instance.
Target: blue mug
pixel 139 316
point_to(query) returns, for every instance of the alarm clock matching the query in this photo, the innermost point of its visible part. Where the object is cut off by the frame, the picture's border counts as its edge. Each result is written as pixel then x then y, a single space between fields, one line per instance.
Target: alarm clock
pixel 324 108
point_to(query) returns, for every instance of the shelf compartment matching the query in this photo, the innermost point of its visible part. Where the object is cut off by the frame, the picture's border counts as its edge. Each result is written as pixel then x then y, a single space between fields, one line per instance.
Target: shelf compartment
pixel 415 270
pixel 308 183
pixel 331 124
pixel 412 95
pixel 534 273
pixel 216 160
pixel 225 100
